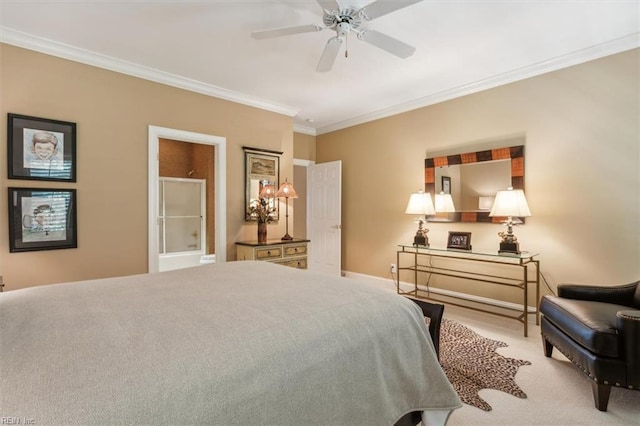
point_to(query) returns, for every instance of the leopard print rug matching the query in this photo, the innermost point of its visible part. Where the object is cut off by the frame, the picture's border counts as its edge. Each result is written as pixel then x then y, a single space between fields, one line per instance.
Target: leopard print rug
pixel 471 363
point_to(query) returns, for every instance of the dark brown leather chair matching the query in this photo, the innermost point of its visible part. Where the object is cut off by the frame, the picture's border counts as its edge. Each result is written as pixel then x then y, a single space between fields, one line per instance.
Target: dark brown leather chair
pixel 598 329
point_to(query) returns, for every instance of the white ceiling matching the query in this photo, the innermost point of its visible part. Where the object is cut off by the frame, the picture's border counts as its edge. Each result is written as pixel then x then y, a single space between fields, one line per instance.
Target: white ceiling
pixel 205 46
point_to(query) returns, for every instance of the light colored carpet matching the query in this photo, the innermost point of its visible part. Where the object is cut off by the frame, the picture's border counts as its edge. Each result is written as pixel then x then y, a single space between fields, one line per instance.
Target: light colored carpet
pixel 557 392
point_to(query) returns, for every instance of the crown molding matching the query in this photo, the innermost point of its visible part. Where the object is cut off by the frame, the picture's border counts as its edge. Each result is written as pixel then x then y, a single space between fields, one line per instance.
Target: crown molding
pixel 305 130
pixel 65 51
pixel 618 45
pixel 303 163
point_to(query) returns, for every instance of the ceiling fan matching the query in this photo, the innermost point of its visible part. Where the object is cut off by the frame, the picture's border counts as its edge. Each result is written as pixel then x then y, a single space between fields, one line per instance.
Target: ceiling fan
pixel 344 21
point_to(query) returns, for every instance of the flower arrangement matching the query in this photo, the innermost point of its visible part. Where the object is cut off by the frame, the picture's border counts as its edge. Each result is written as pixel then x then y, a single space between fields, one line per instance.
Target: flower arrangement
pixel 260 210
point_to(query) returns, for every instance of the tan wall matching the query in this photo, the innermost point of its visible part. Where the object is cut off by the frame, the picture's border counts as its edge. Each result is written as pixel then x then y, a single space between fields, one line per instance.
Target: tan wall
pixel 304 147
pixel 581 126
pixel 113 112
pixel 299 219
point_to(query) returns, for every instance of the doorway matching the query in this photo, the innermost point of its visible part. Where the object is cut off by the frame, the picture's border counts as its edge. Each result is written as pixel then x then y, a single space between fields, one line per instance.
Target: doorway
pixel 217 244
pixel 300 203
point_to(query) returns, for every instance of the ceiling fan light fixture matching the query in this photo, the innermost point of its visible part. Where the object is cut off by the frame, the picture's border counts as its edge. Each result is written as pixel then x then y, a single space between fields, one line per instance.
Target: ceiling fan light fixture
pixel 343 29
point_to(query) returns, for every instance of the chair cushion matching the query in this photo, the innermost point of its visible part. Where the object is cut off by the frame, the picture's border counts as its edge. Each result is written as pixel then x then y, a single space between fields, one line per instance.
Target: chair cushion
pixel 636 296
pixel 591 324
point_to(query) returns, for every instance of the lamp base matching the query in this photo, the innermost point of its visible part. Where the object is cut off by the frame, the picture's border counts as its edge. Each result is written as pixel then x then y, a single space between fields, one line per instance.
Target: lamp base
pixel 421 240
pixel 513 248
pixel 287 237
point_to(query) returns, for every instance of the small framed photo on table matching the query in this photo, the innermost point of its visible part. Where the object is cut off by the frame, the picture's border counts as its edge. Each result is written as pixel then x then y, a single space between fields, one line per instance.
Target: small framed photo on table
pixel 41 149
pixel 42 219
pixel 459 240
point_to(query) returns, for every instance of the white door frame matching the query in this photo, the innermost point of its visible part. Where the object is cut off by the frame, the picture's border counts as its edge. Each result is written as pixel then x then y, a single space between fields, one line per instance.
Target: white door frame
pixel 220 143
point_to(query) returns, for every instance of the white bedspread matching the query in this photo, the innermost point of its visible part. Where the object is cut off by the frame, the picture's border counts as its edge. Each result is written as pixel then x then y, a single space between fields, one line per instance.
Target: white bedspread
pixel 229 343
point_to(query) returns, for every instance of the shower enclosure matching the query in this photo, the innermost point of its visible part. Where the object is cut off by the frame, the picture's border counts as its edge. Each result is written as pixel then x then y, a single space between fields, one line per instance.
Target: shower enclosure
pixel 182 211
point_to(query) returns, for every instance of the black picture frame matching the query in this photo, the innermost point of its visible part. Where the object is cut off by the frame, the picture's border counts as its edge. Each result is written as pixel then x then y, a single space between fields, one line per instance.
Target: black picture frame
pixel 40 149
pixel 459 240
pixel 446 184
pixel 42 219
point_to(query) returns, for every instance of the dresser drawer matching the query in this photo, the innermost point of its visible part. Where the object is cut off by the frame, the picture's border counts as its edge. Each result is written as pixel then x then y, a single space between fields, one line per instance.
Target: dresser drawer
pixel 297 250
pixel 268 253
pixel 292 253
pixel 300 263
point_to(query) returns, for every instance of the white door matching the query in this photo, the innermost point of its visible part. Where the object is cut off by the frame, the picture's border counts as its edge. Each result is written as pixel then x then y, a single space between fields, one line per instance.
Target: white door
pixel 324 222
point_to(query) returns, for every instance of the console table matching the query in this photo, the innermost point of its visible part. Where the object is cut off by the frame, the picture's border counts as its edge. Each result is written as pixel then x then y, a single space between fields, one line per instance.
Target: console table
pixel 293 253
pixel 420 260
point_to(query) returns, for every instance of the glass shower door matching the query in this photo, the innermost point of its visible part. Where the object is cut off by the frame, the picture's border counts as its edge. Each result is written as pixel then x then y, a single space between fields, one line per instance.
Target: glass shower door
pixel 182 211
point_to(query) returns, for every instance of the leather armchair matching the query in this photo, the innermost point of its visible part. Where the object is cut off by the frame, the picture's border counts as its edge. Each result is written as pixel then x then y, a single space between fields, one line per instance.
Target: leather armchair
pixel 598 329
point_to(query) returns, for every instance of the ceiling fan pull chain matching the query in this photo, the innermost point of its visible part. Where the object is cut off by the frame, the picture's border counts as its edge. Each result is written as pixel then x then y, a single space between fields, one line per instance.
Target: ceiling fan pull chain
pixel 346 47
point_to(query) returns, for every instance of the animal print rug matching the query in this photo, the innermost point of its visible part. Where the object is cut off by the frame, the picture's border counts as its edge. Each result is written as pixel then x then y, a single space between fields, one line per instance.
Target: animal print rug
pixel 471 363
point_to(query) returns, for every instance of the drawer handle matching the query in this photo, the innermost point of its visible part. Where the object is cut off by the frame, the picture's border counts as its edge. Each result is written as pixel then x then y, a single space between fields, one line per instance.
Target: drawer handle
pixel 268 252
pixel 295 249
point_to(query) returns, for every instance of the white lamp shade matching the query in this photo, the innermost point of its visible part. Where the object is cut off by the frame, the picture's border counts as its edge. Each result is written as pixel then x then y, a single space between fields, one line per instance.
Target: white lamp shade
pixel 420 203
pixel 511 202
pixel 444 203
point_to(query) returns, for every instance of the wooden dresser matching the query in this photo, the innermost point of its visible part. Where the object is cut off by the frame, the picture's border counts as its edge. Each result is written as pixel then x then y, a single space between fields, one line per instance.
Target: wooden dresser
pixel 293 253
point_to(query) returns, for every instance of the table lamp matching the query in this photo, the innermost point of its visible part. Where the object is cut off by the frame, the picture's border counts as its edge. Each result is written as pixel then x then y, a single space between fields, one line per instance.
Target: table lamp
pixel 512 204
pixel 420 204
pixel 444 203
pixel 267 191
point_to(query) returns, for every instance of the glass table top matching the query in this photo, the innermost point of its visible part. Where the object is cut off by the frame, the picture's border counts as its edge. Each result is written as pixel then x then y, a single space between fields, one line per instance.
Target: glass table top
pixel 478 254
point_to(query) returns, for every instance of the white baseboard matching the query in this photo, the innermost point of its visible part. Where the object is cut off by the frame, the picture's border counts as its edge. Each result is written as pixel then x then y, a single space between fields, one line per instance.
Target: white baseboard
pixel 389 284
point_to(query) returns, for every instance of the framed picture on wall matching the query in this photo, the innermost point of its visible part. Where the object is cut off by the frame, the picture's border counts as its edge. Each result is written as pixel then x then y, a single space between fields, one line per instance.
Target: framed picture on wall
pixel 446 184
pixel 42 219
pixel 459 240
pixel 41 149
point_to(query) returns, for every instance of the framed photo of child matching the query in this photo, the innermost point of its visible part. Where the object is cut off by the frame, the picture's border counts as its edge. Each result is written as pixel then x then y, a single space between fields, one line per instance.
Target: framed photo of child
pixel 459 240
pixel 41 148
pixel 42 219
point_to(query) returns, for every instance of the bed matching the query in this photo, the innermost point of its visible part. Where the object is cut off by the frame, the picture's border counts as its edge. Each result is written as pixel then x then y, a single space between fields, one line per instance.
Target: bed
pixel 220 344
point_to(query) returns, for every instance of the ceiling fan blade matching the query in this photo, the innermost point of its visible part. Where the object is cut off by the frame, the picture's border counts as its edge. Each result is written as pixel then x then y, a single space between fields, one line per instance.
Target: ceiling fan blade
pixel 329 4
pixel 385 42
pixel 329 54
pixel 382 7
pixel 286 31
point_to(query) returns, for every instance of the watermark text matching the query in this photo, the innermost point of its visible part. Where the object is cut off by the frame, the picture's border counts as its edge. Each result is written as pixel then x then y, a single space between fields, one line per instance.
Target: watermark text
pixel 9 420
